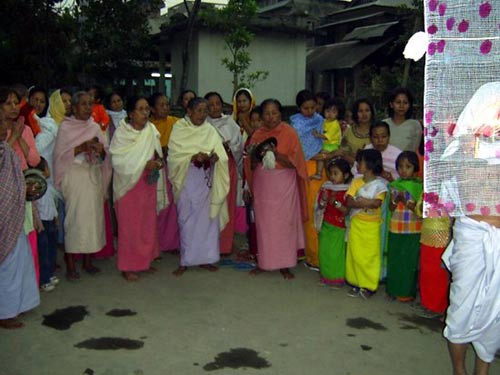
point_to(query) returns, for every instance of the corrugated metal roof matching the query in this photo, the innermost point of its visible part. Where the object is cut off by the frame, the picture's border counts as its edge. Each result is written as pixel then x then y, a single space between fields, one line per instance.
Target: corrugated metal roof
pixel 367 32
pixel 347 19
pixel 344 55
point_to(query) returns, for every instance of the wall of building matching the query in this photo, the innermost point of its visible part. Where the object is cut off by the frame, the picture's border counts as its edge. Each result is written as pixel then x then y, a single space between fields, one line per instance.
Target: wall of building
pixel 282 55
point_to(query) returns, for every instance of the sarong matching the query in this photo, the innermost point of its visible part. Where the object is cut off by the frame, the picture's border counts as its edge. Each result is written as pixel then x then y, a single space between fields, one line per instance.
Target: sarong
pixel 84 217
pixel 433 279
pixel 311 233
pixel 474 311
pixel 199 233
pixel 332 248
pixel 280 232
pixel 402 264
pixel 18 286
pixel 137 226
pixel 363 254
pixel 108 250
pixel 168 226
pixel 227 234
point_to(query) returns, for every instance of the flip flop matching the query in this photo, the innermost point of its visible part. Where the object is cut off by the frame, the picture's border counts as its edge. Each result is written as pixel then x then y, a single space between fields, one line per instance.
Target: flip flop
pixel 242 266
pixel 226 262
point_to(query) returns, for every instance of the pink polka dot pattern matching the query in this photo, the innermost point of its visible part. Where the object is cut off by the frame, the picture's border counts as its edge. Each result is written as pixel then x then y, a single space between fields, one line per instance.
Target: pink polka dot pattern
pixel 498 208
pixel 429 146
pixel 442 9
pixel 485 47
pixel 485 9
pixel 432 29
pixel 431 50
pixel 463 26
pixel 433 5
pixel 470 207
pixel 485 211
pixel 428 117
pixel 440 46
pixel 450 23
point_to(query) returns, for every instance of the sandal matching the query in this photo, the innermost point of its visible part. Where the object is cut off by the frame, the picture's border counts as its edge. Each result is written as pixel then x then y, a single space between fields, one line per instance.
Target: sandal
pixel 130 276
pixel 179 271
pixel 92 270
pixel 287 275
pixel 11 323
pixel 209 267
pixel 72 276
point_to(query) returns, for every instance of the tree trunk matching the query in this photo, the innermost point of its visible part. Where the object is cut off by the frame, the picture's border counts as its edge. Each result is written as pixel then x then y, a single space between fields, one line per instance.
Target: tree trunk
pixel 406 72
pixel 187 44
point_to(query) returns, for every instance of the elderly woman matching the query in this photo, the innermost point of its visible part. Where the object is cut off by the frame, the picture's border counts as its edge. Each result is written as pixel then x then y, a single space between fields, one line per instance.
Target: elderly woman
pixel 167 219
pixel 82 172
pixel 18 286
pixel 230 132
pixel 278 189
pixel 198 171
pixel 138 182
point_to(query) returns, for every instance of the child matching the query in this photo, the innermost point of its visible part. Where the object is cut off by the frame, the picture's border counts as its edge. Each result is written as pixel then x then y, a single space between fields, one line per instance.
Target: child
pixel 365 197
pixel 331 224
pixel 98 111
pixel 308 124
pixel 332 132
pixel 47 236
pixel 404 229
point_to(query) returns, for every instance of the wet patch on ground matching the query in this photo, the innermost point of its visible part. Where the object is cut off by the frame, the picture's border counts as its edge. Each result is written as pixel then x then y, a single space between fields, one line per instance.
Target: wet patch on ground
pixel 407 327
pixel 118 313
pixel 284 344
pixel 351 335
pixel 63 319
pixel 366 347
pixel 88 371
pixel 362 323
pixel 433 325
pixel 237 358
pixel 110 343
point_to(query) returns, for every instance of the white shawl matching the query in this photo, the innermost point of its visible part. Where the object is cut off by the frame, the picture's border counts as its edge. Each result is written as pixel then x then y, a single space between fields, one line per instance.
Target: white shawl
pixel 130 150
pixel 187 140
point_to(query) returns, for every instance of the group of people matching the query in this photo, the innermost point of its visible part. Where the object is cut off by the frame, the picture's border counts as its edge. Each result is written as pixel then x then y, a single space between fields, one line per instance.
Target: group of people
pixel 344 196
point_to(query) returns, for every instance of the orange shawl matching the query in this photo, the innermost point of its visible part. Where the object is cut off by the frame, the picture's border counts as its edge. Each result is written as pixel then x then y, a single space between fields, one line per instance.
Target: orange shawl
pixel 289 145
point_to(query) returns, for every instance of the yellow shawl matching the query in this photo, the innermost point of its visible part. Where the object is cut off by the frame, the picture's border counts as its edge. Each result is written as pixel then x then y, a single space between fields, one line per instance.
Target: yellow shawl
pixel 130 150
pixel 187 140
pixel 56 107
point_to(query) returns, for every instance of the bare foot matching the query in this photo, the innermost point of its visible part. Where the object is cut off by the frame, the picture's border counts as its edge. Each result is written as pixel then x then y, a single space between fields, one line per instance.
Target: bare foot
pixel 151 270
pixel 285 272
pixel 179 271
pixel 209 267
pixel 256 271
pixel 315 177
pixel 130 276
pixel 11 323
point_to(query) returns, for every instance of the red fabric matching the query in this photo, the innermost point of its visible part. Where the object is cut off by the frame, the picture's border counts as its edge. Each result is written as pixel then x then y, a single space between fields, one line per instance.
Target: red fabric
pixel 100 116
pixel 34 252
pixel 30 120
pixel 109 249
pixel 227 234
pixel 332 215
pixel 433 279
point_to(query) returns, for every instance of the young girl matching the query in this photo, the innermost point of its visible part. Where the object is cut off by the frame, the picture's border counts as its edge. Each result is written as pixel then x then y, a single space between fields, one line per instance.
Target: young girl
pixel 331 210
pixel 365 197
pixel 404 229
pixel 308 124
pixel 332 132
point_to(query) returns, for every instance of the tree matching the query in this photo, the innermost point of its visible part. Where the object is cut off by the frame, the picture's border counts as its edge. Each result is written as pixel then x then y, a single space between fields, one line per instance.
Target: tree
pixel 234 21
pixel 113 40
pixel 192 17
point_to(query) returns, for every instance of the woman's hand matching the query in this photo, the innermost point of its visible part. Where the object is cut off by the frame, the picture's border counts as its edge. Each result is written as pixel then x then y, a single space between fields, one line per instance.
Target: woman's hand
pixel 213 158
pixel 387 175
pixel 17 128
pixel 154 164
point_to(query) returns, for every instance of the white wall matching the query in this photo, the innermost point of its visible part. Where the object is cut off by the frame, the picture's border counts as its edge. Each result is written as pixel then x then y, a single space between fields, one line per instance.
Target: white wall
pixel 282 55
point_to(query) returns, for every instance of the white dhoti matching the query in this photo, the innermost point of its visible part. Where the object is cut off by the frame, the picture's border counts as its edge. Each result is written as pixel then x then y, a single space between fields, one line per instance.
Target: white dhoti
pixel 473 258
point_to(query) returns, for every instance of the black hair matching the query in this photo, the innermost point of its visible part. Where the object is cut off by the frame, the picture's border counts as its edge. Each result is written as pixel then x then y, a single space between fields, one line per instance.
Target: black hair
pixel 372 159
pixel 339 104
pixel 5 92
pixel 154 98
pixel 342 164
pixel 304 96
pixel 257 110
pixel 98 93
pixel 323 95
pixel 266 102
pixel 66 91
pixel 108 98
pixel 380 124
pixel 355 108
pixel 132 102
pixel 33 91
pixel 179 100
pixel 392 96
pixel 42 164
pixel 412 158
pixel 242 92
pixel 208 95
pixel 193 103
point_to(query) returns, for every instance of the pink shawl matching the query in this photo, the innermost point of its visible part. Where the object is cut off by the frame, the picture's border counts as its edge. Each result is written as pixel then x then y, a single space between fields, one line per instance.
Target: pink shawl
pixel 12 198
pixel 72 133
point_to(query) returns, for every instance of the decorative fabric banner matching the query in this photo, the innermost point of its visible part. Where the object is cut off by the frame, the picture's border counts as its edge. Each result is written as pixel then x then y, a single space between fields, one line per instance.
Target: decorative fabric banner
pixel 462 108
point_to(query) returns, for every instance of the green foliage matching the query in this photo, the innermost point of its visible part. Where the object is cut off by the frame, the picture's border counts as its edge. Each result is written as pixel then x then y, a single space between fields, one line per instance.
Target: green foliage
pixel 234 21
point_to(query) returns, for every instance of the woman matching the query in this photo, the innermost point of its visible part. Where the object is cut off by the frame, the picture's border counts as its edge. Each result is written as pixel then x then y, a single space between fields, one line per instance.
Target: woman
pixel 138 182
pixel 185 97
pixel 405 131
pixel 115 112
pixel 243 103
pixel 18 286
pixel 82 172
pixel 198 171
pixel 231 135
pixel 357 136
pixel 167 219
pixel 278 193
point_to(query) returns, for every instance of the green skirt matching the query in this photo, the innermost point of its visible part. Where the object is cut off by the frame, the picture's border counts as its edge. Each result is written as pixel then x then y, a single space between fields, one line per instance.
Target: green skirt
pixel 402 264
pixel 332 248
